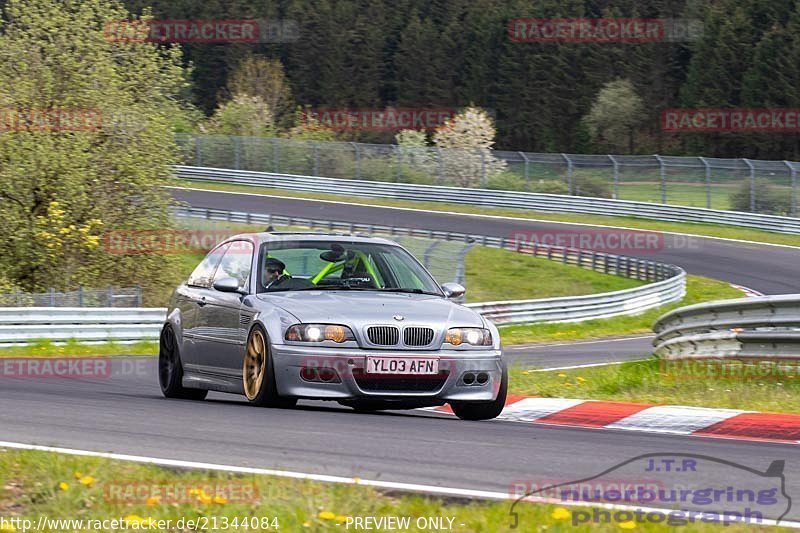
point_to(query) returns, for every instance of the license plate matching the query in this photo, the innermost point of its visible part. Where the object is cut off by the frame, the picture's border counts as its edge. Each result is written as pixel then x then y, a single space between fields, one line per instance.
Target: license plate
pixel 402 365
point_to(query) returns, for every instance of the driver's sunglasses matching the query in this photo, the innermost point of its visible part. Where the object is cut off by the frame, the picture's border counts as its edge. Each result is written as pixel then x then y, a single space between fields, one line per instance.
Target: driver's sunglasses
pixel 273 271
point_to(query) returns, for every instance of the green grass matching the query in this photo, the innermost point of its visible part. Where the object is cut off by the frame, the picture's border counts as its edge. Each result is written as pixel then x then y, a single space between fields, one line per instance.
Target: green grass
pixel 495 274
pixel 692 194
pixel 711 230
pixel 73 348
pixel 651 381
pixel 35 484
pixel 698 289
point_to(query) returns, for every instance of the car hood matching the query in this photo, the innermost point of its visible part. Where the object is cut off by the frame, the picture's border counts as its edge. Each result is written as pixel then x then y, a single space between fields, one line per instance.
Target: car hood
pixel 360 308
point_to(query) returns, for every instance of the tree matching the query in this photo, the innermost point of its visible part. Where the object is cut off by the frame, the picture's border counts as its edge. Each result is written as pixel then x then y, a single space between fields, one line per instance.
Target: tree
pixel 615 115
pixel 264 79
pixel 61 192
pixel 245 115
pixel 467 140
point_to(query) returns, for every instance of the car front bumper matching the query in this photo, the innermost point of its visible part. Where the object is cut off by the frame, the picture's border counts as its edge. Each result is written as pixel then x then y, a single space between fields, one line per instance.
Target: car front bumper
pixel 352 382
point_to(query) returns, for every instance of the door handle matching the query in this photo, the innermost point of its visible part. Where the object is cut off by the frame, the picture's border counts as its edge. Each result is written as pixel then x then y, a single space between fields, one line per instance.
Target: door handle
pixel 202 301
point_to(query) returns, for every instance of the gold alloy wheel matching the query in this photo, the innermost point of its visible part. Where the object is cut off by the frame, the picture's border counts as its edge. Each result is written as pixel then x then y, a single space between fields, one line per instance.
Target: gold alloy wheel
pixel 255 364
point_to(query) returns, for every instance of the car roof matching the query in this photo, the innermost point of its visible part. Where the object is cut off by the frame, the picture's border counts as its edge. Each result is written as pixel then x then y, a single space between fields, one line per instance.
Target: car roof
pixel 284 236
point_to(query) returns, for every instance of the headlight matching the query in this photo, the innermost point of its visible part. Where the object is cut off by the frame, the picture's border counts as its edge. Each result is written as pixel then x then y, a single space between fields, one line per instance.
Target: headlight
pixel 471 336
pixel 319 333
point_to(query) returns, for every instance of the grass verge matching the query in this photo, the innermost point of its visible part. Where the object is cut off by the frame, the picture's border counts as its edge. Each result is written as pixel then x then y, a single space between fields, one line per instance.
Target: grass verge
pixel 760 386
pixel 698 289
pixel 74 348
pixel 710 230
pixel 41 484
pixel 494 274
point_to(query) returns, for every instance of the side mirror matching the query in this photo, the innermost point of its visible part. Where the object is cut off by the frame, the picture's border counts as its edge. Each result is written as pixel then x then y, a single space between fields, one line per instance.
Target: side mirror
pixel 453 290
pixel 227 285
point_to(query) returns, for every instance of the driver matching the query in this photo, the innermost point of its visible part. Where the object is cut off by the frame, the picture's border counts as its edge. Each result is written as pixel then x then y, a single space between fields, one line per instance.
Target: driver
pixel 273 272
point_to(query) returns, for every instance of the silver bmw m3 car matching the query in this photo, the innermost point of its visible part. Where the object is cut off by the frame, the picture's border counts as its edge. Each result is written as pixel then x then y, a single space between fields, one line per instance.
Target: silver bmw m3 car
pixel 353 319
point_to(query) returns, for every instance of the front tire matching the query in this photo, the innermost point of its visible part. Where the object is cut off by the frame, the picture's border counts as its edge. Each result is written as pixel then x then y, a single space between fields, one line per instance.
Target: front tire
pixel 258 373
pixel 483 410
pixel 170 369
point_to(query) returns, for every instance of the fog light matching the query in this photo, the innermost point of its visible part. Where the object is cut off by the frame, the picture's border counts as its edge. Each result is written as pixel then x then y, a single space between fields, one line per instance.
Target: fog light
pixel 327 374
pixel 309 374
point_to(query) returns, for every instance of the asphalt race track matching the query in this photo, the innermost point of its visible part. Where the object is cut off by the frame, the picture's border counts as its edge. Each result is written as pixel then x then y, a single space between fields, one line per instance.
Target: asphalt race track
pixel 767 269
pixel 559 355
pixel 125 413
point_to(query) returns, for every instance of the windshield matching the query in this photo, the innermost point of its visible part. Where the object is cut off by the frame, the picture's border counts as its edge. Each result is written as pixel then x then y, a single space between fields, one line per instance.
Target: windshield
pixel 341 265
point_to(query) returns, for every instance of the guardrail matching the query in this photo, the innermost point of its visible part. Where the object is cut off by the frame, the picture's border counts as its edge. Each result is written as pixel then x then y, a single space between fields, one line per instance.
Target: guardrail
pixel 667 282
pixel 21 325
pixel 697 181
pixel 97 324
pixel 493 198
pixel 762 326
pixel 82 297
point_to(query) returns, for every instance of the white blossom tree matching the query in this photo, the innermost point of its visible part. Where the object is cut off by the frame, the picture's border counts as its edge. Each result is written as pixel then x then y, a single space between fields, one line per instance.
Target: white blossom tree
pixel 466 141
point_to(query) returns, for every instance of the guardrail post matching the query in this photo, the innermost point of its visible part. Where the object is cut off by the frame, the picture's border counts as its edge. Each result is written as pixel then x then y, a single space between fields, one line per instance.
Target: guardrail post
pixel 51 294
pixel 793 171
pixel 237 153
pixel 569 173
pixel 80 296
pixel 526 171
pixel 708 181
pixel 138 295
pixel 663 174
pixel 110 296
pixel 752 184
pixel 357 153
pixel 616 176
pixel 275 159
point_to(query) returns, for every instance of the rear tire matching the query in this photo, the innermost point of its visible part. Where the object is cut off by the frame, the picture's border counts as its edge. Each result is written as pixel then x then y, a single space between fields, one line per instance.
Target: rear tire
pixel 258 373
pixel 484 410
pixel 170 369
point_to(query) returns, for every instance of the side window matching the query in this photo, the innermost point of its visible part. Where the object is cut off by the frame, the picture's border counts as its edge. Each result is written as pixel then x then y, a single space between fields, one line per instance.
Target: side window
pixel 236 263
pixel 204 273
